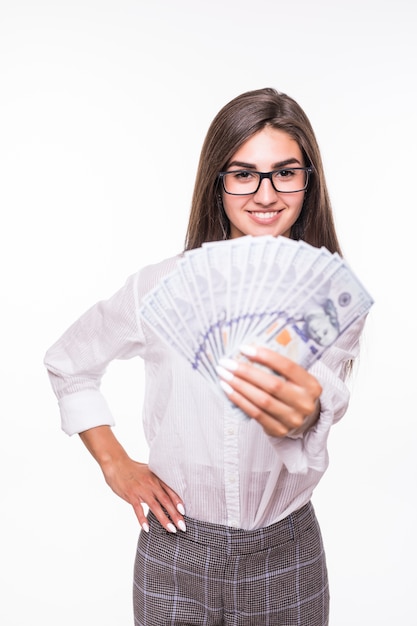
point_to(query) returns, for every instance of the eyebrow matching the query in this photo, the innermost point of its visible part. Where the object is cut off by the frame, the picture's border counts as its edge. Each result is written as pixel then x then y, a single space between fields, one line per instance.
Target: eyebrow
pixel 250 166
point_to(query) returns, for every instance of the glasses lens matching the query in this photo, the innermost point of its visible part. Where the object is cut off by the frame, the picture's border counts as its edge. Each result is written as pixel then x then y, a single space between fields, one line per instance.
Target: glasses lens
pixel 244 182
pixel 241 182
pixel 290 180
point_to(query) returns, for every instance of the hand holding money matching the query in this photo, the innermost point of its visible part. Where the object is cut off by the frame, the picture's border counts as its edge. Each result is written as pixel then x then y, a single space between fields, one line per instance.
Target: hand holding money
pixel 284 404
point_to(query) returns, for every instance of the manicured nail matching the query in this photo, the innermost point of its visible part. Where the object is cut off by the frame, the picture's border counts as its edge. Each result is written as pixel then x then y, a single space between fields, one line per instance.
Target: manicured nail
pixel 180 508
pixel 223 373
pixel 145 527
pixel 248 350
pixel 171 528
pixel 182 526
pixel 226 388
pixel 228 364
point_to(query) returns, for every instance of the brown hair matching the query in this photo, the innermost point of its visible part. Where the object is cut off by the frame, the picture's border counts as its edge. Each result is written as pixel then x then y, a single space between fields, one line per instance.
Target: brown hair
pixel 236 122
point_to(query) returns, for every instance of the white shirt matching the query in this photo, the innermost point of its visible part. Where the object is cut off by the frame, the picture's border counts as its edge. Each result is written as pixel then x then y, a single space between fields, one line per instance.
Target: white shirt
pixel 221 463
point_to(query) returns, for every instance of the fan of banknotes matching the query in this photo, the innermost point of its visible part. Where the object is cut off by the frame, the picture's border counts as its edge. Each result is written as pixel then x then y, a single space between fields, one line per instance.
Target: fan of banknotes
pixel 287 295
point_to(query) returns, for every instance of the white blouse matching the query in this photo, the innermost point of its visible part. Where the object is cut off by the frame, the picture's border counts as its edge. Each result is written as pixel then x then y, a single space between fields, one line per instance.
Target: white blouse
pixel 221 463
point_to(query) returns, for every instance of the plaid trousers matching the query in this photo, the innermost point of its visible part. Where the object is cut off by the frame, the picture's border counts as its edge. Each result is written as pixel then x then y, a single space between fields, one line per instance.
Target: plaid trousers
pixel 219 576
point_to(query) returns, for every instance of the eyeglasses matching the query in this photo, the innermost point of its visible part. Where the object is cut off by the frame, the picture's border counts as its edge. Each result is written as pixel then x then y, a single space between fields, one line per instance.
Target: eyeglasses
pixel 246 182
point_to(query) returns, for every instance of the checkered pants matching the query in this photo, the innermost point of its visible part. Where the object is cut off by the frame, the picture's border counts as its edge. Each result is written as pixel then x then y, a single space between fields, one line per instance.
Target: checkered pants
pixel 219 576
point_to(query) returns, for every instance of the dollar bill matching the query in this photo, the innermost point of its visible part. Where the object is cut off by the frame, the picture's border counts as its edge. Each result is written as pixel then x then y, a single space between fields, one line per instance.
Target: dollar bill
pixel 288 295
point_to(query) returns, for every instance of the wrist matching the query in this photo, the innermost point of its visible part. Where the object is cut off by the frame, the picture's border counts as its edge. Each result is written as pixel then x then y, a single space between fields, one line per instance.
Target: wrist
pixel 103 445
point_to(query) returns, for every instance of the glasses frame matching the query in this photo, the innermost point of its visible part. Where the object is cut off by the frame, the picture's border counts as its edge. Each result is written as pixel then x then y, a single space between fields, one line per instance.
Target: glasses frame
pixel 309 170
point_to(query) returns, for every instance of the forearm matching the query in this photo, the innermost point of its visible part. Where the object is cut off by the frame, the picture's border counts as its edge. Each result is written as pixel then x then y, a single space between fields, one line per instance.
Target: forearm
pixel 103 445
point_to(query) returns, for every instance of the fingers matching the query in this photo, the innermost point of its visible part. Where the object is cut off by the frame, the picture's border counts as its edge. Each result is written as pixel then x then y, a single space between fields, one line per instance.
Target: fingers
pixel 167 507
pixel 276 418
pixel 280 364
pixel 280 396
pixel 136 484
pixel 271 416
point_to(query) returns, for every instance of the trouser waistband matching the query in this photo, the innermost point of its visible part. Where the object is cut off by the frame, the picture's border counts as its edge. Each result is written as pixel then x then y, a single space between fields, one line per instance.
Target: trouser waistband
pixel 239 541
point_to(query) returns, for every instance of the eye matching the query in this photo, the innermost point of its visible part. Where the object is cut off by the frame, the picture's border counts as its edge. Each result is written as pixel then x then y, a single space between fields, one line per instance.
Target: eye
pixel 288 173
pixel 243 175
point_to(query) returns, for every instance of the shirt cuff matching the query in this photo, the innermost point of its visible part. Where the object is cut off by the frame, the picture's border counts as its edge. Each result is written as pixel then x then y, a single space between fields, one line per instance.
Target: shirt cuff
pixel 83 410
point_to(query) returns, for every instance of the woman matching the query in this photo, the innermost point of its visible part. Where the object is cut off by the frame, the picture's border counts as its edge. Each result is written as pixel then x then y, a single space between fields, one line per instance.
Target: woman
pixel 249 549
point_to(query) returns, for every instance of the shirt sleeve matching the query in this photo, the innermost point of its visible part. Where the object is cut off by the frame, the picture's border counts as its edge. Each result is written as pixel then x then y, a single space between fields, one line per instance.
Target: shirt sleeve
pixel 77 362
pixel 309 450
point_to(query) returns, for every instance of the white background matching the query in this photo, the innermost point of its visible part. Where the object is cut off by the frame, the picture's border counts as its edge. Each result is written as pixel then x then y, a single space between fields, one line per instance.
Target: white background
pixel 103 109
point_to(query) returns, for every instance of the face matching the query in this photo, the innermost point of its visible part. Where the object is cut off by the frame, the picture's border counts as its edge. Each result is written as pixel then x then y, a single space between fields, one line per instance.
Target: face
pixel 321 329
pixel 266 212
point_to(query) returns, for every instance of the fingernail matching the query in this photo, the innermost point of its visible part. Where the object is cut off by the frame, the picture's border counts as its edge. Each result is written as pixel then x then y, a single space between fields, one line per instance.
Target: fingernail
pixel 228 364
pixel 226 388
pixel 248 350
pixel 180 508
pixel 223 373
pixel 171 528
pixel 145 527
pixel 182 526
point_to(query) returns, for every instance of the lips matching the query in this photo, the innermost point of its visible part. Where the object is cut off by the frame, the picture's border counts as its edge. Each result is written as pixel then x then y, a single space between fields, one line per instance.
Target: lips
pixel 264 215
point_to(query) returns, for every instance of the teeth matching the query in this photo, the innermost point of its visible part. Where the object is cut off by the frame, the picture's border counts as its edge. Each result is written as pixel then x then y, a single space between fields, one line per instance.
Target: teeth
pixel 264 215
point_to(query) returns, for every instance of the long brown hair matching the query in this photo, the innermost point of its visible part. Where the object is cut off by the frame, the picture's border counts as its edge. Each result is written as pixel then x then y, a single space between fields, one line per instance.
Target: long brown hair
pixel 236 122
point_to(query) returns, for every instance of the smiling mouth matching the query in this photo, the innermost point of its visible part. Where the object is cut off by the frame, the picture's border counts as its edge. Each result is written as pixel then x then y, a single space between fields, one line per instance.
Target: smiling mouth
pixel 265 215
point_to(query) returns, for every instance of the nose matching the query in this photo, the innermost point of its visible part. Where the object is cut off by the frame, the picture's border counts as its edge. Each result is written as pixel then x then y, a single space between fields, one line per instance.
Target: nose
pixel 266 194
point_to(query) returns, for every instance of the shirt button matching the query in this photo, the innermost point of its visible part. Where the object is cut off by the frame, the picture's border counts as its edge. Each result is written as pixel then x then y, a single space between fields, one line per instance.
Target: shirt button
pixel 231 431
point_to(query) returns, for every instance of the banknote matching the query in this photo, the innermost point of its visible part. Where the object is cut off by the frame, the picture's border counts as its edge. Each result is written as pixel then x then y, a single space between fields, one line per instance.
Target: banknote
pixel 336 302
pixel 287 295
